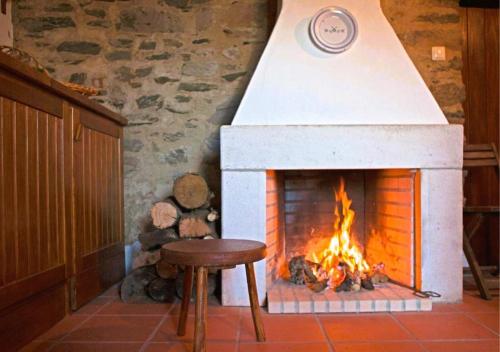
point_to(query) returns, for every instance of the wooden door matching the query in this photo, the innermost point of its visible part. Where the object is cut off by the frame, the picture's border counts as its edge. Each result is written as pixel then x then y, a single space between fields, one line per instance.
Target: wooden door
pixel 481 78
pixel 98 231
pixel 32 206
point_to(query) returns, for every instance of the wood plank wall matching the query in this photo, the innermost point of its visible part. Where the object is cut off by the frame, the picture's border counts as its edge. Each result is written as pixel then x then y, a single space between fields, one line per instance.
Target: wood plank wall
pixel 481 78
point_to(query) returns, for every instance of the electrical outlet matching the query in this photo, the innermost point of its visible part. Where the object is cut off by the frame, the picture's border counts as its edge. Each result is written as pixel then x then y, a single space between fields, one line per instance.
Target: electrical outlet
pixel 438 53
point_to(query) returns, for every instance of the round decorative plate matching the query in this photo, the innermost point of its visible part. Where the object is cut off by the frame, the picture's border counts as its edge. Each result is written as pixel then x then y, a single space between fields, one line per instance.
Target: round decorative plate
pixel 333 29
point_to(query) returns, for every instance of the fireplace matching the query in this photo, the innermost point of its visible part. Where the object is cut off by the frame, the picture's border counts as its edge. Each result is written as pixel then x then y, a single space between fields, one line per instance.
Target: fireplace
pixel 309 119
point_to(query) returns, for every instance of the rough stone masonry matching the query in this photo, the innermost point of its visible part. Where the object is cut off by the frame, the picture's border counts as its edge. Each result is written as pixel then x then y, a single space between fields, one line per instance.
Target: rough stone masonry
pixel 177 70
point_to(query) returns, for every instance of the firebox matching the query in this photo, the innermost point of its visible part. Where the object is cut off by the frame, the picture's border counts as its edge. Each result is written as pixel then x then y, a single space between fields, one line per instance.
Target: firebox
pixel 311 118
pixel 354 221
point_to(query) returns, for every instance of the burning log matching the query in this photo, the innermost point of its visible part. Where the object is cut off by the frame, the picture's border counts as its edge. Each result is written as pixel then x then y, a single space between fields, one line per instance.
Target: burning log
pixel 191 191
pixel 367 284
pixel 318 286
pixel 377 275
pixel 302 270
pixel 155 239
pixel 345 285
pixel 165 214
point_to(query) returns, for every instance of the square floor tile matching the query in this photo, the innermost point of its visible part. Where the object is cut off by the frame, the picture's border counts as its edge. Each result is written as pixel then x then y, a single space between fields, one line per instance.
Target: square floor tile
pixel 444 308
pixel 120 308
pixel 63 327
pixel 188 347
pixel 437 326
pixel 463 346
pixel 213 309
pixel 490 320
pixel 283 347
pixel 378 347
pixel 37 346
pixel 94 305
pixel 113 291
pixel 474 303
pixel 284 328
pixel 96 347
pixel 219 327
pixel 365 327
pixel 115 329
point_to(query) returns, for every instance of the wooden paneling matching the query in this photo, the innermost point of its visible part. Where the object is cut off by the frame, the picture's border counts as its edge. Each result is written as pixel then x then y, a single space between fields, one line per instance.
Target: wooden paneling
pixel 28 319
pixel 32 235
pixel 31 166
pixel 98 197
pixel 61 202
pixel 481 78
pixel 97 193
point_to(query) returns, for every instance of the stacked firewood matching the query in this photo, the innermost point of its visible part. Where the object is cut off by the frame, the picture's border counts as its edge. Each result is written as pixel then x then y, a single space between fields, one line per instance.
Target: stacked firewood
pixel 186 215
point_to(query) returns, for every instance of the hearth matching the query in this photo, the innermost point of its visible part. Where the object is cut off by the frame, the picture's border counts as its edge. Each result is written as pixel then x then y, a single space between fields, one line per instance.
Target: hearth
pixel 310 118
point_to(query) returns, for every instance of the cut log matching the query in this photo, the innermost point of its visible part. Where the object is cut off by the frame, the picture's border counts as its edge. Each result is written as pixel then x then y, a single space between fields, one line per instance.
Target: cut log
pixel 213 215
pixel 195 224
pixel 144 258
pixel 162 290
pixel 211 285
pixel 165 214
pixel 155 239
pixel 166 270
pixel 191 191
pixel 133 287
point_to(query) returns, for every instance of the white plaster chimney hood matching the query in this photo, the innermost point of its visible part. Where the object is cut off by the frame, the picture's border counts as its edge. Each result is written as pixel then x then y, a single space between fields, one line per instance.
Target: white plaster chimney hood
pixel 374 82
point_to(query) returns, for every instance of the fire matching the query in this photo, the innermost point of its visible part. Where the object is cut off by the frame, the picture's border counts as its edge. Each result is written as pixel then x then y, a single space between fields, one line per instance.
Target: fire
pixel 342 254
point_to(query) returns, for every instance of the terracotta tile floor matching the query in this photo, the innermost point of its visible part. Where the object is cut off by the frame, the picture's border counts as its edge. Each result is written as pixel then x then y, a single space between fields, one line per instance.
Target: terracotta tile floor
pixel 108 325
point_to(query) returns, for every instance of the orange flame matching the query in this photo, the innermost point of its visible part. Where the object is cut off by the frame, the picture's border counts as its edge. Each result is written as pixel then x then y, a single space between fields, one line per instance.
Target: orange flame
pixel 341 249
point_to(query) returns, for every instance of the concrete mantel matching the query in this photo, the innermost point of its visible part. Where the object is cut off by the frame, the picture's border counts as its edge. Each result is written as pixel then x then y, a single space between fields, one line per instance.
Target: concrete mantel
pixel 248 151
pixel 341 147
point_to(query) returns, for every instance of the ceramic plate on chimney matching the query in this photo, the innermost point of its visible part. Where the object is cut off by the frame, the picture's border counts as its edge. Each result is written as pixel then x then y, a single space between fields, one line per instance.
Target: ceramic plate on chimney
pixel 333 29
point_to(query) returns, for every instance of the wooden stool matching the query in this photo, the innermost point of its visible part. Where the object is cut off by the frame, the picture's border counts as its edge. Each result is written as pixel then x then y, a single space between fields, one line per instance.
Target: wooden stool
pixel 202 254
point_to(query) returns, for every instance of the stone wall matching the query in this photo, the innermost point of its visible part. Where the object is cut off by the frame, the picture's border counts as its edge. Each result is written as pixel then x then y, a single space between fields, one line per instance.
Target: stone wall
pixel 6 37
pixel 422 24
pixel 177 70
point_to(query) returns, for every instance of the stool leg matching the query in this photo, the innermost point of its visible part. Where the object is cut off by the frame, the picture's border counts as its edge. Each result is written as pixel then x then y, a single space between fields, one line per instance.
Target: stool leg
pixel 254 303
pixel 186 298
pixel 200 328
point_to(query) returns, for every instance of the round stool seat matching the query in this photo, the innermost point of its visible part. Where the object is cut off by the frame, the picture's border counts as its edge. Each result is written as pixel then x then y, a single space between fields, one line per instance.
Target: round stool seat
pixel 217 252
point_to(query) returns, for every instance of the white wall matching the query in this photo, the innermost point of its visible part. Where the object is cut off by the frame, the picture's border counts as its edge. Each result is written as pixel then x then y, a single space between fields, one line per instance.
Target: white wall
pixel 6 33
